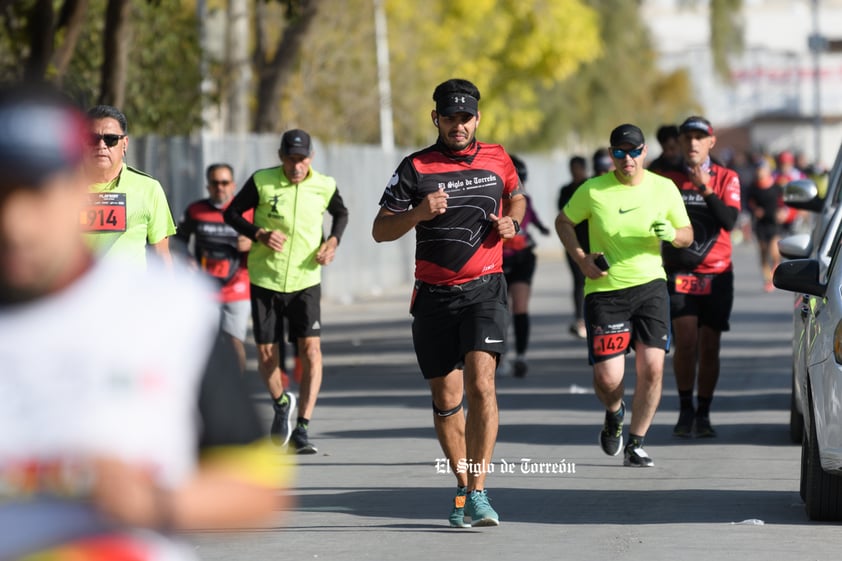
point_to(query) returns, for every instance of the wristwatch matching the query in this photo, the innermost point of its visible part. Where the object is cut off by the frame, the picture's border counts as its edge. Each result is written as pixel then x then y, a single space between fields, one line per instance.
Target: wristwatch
pixel 516 224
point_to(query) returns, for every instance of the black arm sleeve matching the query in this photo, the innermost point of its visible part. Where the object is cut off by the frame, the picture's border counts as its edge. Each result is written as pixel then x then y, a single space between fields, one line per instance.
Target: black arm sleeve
pixel 336 208
pixel 244 200
pixel 726 215
pixel 226 410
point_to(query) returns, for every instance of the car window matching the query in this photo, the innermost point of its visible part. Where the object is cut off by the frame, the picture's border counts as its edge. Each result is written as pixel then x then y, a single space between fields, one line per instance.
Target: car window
pixel 834 250
pixel 834 182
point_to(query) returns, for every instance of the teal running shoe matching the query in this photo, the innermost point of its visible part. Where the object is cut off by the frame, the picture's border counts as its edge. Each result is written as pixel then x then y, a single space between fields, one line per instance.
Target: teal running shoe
pixel 457 515
pixel 479 509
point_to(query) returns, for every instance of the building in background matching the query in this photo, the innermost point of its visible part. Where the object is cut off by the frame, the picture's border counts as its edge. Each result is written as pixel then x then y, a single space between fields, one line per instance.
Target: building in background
pixel 771 99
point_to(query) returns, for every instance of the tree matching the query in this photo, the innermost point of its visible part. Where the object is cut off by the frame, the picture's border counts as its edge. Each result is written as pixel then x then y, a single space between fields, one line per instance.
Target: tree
pixel 273 68
pixel 514 50
pixel 84 47
pixel 726 34
pixel 622 85
pixel 116 39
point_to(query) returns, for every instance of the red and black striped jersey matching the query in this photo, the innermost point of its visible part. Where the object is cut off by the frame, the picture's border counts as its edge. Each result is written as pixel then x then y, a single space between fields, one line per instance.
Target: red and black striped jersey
pixel 461 244
pixel 710 251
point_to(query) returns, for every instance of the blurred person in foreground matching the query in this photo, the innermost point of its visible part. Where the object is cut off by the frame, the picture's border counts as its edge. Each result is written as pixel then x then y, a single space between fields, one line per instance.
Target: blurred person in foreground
pixel 122 416
pixel 630 211
pixel 127 210
pixel 518 268
pixel 221 252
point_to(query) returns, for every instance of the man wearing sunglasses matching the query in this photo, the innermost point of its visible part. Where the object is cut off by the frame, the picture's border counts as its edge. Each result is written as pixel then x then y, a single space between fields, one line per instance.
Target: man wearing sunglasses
pixel 127 210
pixel 701 276
pixel 220 251
pixel 630 211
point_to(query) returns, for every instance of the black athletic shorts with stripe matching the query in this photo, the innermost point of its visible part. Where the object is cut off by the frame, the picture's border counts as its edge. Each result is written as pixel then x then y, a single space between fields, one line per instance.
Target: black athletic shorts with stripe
pixel 616 319
pixel 450 321
pixel 302 309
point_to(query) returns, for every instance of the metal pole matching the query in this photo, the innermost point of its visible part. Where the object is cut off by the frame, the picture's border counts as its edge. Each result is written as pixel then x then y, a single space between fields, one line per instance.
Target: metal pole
pixel 387 133
pixel 817 93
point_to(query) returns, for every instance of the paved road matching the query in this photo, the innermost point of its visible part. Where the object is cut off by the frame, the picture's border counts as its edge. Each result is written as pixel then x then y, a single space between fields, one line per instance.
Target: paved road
pixel 373 491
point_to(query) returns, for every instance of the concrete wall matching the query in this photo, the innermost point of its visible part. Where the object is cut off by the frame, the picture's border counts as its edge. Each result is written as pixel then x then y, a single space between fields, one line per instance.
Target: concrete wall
pixel 362 267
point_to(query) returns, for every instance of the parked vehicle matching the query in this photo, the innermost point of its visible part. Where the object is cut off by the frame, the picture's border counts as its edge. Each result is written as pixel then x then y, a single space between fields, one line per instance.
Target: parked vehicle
pixel 804 195
pixel 818 394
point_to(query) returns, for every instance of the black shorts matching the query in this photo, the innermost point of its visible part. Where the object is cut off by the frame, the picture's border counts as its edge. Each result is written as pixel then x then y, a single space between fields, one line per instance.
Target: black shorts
pixel 450 321
pixel 302 310
pixel 616 319
pixel 713 309
pixel 767 232
pixel 519 267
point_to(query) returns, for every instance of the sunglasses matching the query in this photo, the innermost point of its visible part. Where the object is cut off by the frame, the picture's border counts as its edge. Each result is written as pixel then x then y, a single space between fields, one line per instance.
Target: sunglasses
pixel 218 182
pixel 621 154
pixel 110 140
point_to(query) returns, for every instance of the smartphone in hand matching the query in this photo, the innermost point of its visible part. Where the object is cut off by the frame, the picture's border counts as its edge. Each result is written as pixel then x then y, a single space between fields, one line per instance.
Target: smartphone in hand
pixel 601 262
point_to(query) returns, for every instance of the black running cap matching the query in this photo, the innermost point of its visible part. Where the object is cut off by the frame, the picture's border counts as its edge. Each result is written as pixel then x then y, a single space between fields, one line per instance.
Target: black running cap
pixel 39 136
pixel 457 102
pixel 627 134
pixel 296 142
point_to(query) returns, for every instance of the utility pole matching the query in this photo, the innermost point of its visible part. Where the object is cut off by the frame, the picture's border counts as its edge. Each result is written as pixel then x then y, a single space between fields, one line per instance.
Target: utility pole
pixel 816 48
pixel 384 88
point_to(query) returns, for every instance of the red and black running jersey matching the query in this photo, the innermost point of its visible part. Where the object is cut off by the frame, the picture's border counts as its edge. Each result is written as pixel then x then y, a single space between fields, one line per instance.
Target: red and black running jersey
pixel 710 252
pixel 461 244
pixel 216 248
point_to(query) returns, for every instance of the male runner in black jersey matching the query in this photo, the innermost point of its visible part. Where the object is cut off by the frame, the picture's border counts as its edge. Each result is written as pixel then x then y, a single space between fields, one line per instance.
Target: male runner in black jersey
pixel 463 198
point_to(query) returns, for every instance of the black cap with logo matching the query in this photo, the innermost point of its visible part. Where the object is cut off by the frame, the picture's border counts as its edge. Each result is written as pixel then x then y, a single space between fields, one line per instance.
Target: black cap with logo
pixel 296 142
pixel 627 134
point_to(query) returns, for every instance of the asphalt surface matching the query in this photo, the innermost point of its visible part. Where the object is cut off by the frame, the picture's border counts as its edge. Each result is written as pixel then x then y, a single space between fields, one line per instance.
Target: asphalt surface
pixel 373 491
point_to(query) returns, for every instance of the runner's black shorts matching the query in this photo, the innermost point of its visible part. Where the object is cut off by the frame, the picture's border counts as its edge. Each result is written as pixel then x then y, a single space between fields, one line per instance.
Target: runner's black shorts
pixel 519 266
pixel 713 310
pixel 302 309
pixel 450 321
pixel 617 319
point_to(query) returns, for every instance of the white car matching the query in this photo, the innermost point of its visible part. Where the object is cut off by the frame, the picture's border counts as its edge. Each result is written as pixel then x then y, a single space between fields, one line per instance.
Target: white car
pixel 818 393
pixel 803 194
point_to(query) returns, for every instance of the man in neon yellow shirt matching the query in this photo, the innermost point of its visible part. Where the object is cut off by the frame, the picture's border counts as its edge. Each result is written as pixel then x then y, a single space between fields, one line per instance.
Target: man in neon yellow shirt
pixel 285 268
pixel 126 208
pixel 630 212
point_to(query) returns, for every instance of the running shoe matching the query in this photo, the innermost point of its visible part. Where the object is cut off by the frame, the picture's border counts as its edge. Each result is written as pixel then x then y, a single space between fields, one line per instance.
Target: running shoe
pixel 636 456
pixel 457 515
pixel 301 443
pixel 520 368
pixel 578 329
pixel 479 509
pixel 684 427
pixel 703 428
pixel 611 436
pixel 281 428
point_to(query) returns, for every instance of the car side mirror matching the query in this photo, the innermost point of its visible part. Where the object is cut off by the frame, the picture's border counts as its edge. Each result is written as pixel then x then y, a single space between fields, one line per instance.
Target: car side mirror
pixel 799 275
pixel 803 194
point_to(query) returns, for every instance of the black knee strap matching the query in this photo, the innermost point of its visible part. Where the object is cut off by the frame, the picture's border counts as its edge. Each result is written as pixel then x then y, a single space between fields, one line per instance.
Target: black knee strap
pixel 447 413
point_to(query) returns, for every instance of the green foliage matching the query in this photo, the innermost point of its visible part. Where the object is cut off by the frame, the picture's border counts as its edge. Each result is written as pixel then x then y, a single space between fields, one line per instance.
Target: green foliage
pixel 163 89
pixel 622 85
pixel 726 34
pixel 513 50
pixel 163 94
